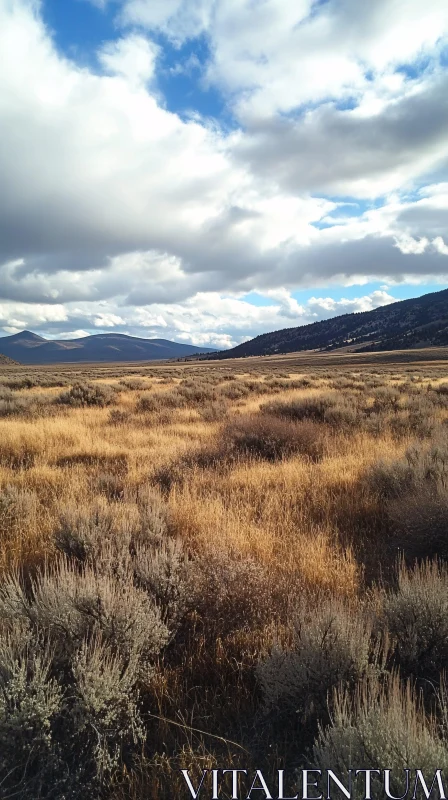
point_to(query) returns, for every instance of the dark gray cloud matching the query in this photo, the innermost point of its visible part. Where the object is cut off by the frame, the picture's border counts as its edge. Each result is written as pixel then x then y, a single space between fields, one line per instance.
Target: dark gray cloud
pixel 340 152
pixel 424 219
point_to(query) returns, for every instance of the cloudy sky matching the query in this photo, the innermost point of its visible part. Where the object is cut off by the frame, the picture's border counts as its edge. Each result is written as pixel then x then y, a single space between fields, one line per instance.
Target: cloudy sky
pixel 207 170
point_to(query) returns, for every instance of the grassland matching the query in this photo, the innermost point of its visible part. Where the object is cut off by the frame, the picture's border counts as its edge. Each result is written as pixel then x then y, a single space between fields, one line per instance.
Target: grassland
pixel 237 564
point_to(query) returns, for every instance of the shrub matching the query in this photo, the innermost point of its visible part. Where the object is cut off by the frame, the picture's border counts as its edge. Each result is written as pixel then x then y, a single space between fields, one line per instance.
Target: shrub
pixel 148 403
pixel 87 394
pixel 30 704
pixel 231 593
pixel 234 391
pixel 323 408
pixel 72 604
pixel 130 542
pixel 174 472
pixel 133 384
pixel 386 399
pixel 382 723
pixel 248 436
pixel 118 417
pixel 84 532
pixel 197 394
pixel 422 467
pixel 438 396
pixel 332 645
pixel 28 382
pixel 217 455
pixel 88 533
pixel 57 743
pixel 347 383
pixel 15 384
pixel 153 516
pixel 389 479
pixel 342 415
pixel 257 387
pixel 165 573
pixel 417 618
pixel 264 436
pixel 214 412
pixel 105 710
pixel 417 423
pixel 12 405
pixel 300 408
pixel 419 522
pixel 114 463
pixel 110 485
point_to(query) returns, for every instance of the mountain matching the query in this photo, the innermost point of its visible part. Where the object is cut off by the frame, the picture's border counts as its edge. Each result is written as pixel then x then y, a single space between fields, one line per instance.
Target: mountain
pixel 29 348
pixel 419 322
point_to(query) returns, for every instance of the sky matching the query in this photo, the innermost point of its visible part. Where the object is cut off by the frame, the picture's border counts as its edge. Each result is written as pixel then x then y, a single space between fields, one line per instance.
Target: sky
pixel 208 170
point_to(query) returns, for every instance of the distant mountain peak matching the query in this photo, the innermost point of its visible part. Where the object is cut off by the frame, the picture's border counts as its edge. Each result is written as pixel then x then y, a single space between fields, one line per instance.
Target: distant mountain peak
pixel 28 335
pixel 27 347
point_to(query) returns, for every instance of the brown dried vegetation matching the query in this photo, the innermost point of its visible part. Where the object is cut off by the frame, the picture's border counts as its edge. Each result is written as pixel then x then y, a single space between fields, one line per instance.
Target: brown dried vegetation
pixel 222 567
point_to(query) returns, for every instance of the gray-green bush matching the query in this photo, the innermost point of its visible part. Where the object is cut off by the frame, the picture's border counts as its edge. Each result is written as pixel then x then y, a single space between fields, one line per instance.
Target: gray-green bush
pixel 416 615
pixel 88 394
pixel 381 723
pixel 333 645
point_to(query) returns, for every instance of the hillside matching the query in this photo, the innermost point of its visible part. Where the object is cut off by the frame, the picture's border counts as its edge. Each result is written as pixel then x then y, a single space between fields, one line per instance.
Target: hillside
pixel 29 348
pixel 418 322
pixel 6 362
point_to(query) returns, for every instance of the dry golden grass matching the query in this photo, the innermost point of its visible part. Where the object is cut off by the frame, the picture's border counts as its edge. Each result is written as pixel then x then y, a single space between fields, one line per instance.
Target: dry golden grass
pixel 312 528
pixel 282 512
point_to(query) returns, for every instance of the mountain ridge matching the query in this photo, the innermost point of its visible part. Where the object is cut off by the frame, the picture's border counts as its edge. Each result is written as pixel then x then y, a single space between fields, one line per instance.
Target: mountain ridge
pixel 27 347
pixel 412 323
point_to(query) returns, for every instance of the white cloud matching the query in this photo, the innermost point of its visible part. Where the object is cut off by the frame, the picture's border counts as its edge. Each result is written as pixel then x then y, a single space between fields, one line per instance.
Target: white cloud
pixel 177 18
pixel 410 246
pixel 20 316
pixel 440 246
pixel 289 307
pixel 132 57
pixel 223 341
pixel 326 306
pixel 80 334
pixel 116 213
pixel 108 321
pixel 275 55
